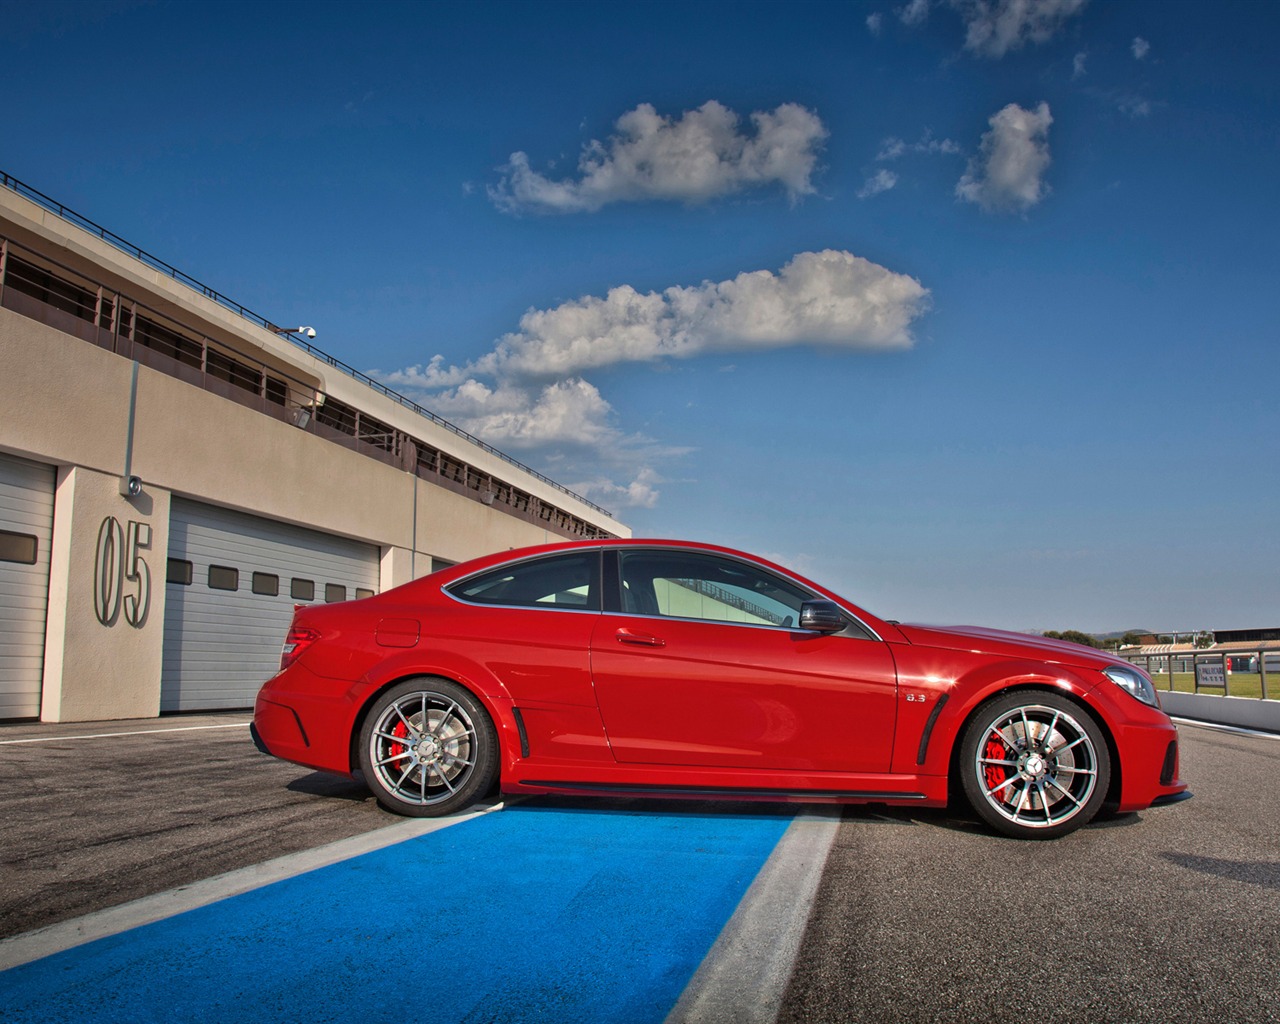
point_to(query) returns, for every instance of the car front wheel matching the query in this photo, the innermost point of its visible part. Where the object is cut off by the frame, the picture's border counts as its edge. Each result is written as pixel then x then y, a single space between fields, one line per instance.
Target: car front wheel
pixel 428 748
pixel 1034 764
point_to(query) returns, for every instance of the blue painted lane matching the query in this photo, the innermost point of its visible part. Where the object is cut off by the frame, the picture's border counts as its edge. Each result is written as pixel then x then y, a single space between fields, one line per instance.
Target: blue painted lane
pixel 532 914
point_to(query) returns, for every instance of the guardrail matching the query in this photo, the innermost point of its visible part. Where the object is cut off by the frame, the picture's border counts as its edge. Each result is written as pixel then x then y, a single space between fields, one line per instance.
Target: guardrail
pixel 1211 671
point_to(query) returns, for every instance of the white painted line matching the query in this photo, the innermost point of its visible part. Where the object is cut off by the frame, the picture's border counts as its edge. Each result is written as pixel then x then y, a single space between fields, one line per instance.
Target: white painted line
pixel 1238 730
pixel 136 732
pixel 42 942
pixel 744 977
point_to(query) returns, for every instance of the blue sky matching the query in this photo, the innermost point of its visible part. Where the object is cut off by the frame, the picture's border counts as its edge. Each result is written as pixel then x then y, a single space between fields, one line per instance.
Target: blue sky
pixel 967 309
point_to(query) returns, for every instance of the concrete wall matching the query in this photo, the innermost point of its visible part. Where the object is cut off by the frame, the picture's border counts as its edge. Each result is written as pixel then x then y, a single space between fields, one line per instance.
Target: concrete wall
pixel 67 403
pixel 1245 712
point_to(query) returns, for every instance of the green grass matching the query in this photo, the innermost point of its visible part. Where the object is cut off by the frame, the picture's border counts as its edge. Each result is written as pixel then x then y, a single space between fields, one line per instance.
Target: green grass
pixel 1239 684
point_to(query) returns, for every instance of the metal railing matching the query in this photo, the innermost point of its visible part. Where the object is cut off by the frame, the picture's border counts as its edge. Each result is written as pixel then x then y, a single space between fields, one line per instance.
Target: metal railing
pixel 1210 670
pixel 53 206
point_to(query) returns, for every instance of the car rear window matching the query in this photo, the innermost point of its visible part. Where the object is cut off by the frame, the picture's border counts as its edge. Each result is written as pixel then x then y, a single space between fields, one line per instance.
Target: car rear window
pixel 559 581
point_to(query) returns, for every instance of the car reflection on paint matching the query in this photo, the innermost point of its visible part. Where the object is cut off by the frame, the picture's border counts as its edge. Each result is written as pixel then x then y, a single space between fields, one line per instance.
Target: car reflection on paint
pixel 675 669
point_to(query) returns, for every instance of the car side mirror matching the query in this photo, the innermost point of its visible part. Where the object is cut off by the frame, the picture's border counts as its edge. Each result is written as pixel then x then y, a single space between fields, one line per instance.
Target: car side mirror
pixel 822 617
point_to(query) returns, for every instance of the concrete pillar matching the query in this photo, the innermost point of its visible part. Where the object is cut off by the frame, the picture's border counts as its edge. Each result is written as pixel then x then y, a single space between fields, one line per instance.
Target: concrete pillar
pixel 105 635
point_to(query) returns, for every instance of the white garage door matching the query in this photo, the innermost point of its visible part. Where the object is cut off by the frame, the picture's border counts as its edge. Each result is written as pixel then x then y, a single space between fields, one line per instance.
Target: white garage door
pixel 26 526
pixel 233 580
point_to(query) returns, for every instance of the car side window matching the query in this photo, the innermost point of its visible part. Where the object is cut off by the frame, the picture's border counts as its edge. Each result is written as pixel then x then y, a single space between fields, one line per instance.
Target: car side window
pixel 556 581
pixel 689 585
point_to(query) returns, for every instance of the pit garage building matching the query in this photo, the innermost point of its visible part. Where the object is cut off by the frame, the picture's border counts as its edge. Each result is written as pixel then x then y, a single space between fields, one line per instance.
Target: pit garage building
pixel 176 473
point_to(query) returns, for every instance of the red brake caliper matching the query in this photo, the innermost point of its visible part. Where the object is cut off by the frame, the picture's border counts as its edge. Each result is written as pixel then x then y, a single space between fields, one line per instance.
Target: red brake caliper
pixel 996 774
pixel 396 749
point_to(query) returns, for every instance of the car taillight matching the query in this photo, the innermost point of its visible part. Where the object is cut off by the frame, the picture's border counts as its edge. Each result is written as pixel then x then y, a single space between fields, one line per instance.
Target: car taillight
pixel 298 640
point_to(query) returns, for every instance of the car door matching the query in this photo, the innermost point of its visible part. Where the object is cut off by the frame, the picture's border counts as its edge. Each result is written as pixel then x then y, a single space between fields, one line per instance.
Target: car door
pixel 702 664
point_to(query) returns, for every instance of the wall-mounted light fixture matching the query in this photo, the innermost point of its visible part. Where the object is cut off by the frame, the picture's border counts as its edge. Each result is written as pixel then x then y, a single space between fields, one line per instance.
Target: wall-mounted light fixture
pixel 301 417
pixel 306 332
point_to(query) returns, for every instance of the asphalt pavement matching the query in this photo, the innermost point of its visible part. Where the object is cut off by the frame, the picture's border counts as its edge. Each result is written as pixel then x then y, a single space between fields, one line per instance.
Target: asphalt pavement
pixel 93 815
pixel 1172 914
pixel 1169 915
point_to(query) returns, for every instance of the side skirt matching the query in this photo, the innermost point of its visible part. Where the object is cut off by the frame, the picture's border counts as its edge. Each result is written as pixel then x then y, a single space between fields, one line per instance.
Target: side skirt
pixel 729 792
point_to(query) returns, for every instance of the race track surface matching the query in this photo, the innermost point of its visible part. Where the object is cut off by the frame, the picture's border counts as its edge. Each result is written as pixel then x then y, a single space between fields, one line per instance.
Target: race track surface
pixel 556 910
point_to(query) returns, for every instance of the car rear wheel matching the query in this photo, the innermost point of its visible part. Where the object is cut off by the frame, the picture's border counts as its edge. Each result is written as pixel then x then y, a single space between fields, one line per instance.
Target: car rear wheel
pixel 1034 764
pixel 428 748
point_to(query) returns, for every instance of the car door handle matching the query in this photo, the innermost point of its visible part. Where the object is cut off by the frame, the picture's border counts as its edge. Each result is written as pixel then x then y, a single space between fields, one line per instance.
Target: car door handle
pixel 625 636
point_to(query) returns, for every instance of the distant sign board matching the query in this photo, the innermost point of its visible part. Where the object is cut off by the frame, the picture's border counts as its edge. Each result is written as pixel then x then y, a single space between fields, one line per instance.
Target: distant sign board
pixel 1211 674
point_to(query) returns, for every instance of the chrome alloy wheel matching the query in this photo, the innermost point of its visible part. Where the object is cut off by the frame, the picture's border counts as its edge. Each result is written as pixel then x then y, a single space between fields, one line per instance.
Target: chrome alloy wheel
pixel 1036 766
pixel 422 748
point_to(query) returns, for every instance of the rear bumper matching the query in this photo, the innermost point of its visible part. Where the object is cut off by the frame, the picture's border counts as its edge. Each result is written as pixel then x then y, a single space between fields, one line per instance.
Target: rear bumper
pixel 295 719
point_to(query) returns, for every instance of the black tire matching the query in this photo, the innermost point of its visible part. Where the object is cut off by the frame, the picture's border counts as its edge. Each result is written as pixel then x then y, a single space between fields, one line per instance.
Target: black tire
pixel 1034 764
pixel 432 771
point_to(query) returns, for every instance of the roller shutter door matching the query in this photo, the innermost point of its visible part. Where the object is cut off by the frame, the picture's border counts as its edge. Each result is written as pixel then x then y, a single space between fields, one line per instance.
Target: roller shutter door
pixel 233 580
pixel 26 528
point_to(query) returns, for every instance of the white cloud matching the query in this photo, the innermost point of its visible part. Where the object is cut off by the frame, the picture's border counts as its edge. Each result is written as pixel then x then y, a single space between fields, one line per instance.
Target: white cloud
pixel 567 412
pixel 1133 106
pixel 641 492
pixel 892 148
pixel 914 13
pixel 1140 48
pixel 881 181
pixel 1077 65
pixel 830 298
pixel 995 27
pixel 1007 175
pixel 875 23
pixel 697 157
pixel 567 423
pixel 528 393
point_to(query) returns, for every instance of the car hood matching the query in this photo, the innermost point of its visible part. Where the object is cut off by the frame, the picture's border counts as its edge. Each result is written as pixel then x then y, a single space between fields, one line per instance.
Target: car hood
pixel 1006 644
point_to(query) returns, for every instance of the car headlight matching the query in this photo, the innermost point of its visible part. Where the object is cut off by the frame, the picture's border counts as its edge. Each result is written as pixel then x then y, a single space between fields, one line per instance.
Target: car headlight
pixel 1133 681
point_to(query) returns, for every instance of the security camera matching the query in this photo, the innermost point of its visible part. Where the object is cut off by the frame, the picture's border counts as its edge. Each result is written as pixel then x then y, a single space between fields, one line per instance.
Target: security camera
pixel 307 332
pixel 131 486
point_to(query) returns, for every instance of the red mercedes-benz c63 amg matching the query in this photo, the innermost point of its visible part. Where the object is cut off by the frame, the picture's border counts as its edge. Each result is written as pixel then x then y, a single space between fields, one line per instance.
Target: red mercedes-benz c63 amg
pixel 677 669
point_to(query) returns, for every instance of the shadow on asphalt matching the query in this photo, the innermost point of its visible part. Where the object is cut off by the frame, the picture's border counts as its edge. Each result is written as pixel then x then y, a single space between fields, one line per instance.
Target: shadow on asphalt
pixel 1255 872
pixel 955 820
pixel 325 784
pixel 354 790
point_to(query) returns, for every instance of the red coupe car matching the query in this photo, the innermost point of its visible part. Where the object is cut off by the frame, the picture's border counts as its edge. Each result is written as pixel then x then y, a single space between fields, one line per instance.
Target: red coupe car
pixel 685 670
